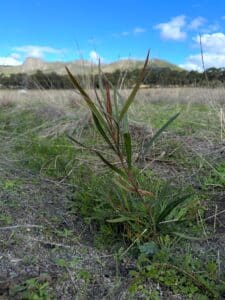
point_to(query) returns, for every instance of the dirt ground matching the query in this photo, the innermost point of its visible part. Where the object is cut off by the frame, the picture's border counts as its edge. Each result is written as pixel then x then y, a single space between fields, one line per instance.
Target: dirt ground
pixel 41 241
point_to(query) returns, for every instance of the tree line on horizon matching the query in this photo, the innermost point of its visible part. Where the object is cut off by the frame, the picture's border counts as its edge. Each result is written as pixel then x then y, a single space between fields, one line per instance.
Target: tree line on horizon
pixel 158 77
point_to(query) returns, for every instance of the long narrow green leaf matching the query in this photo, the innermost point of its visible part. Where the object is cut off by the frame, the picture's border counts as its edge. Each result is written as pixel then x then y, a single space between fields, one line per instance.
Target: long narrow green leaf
pixel 128 148
pixel 188 237
pixel 102 132
pixel 112 167
pixel 86 97
pixel 77 142
pixel 121 219
pixel 124 185
pixel 116 110
pixel 149 143
pixel 99 102
pixel 118 135
pixel 100 81
pixel 124 122
pixel 109 106
pixel 170 207
pixel 130 99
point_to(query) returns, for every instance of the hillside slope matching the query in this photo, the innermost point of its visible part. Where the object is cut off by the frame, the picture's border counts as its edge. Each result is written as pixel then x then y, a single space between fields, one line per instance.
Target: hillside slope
pixel 31 65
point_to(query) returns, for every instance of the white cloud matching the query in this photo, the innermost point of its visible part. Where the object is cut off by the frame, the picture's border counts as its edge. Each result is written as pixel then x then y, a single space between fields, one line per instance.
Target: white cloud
pixel 10 61
pixel 213 43
pixel 37 51
pixel 134 32
pixel 125 33
pixel 95 57
pixel 196 23
pixel 188 65
pixel 173 30
pixel 16 55
pixel 194 62
pixel 213 46
pixel 138 30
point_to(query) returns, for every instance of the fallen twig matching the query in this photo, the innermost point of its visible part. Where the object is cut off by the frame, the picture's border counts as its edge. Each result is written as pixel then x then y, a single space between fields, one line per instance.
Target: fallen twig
pixel 215 215
pixel 50 243
pixel 20 226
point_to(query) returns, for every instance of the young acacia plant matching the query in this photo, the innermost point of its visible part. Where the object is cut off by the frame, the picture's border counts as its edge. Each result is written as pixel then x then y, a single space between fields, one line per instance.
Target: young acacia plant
pixel 109 112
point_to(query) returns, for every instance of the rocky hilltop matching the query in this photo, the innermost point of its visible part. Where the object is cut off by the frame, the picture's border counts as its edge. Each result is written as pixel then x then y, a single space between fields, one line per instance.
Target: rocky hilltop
pixel 31 65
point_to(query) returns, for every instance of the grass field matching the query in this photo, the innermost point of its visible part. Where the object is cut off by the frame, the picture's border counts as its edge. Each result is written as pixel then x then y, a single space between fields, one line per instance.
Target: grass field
pixel 57 199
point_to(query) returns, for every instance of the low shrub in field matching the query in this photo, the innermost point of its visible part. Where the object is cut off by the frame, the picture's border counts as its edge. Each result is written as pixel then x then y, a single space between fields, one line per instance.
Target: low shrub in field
pixel 123 198
pixel 123 215
pixel 132 205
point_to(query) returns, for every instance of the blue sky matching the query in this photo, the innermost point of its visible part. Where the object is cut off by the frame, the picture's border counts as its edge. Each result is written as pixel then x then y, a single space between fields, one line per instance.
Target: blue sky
pixel 67 30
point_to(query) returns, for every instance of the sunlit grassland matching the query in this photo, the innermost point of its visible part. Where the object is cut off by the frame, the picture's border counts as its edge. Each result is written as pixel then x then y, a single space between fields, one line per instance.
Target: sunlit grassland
pixel 34 126
pixel 49 114
pixel 202 109
pixel 46 115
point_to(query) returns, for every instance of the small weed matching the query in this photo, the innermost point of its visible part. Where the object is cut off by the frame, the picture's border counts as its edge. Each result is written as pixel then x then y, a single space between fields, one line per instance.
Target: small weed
pixel 79 273
pixel 5 219
pixel 63 263
pixel 30 260
pixel 65 233
pixel 33 289
pixel 216 176
pixel 183 274
pixel 10 184
pixel 84 275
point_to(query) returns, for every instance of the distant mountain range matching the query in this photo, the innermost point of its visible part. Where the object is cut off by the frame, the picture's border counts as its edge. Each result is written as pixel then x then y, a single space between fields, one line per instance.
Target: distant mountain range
pixel 31 65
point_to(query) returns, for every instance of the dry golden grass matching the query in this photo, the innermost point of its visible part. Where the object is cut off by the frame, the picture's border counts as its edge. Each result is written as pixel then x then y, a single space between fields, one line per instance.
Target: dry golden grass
pixel 184 95
pixel 57 104
pixel 69 98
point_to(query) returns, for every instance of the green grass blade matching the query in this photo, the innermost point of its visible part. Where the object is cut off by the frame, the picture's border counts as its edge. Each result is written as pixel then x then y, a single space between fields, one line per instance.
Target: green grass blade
pixel 109 105
pixel 86 97
pixel 130 99
pixel 101 131
pixel 124 121
pixel 149 143
pixel 116 110
pixel 121 219
pixel 112 167
pixel 99 102
pixel 128 148
pixel 188 237
pixel 170 207
pixel 77 142
pixel 100 81
pixel 124 185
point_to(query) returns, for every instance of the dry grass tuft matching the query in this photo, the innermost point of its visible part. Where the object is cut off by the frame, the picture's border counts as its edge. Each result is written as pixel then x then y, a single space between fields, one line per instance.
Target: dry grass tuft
pixel 183 95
